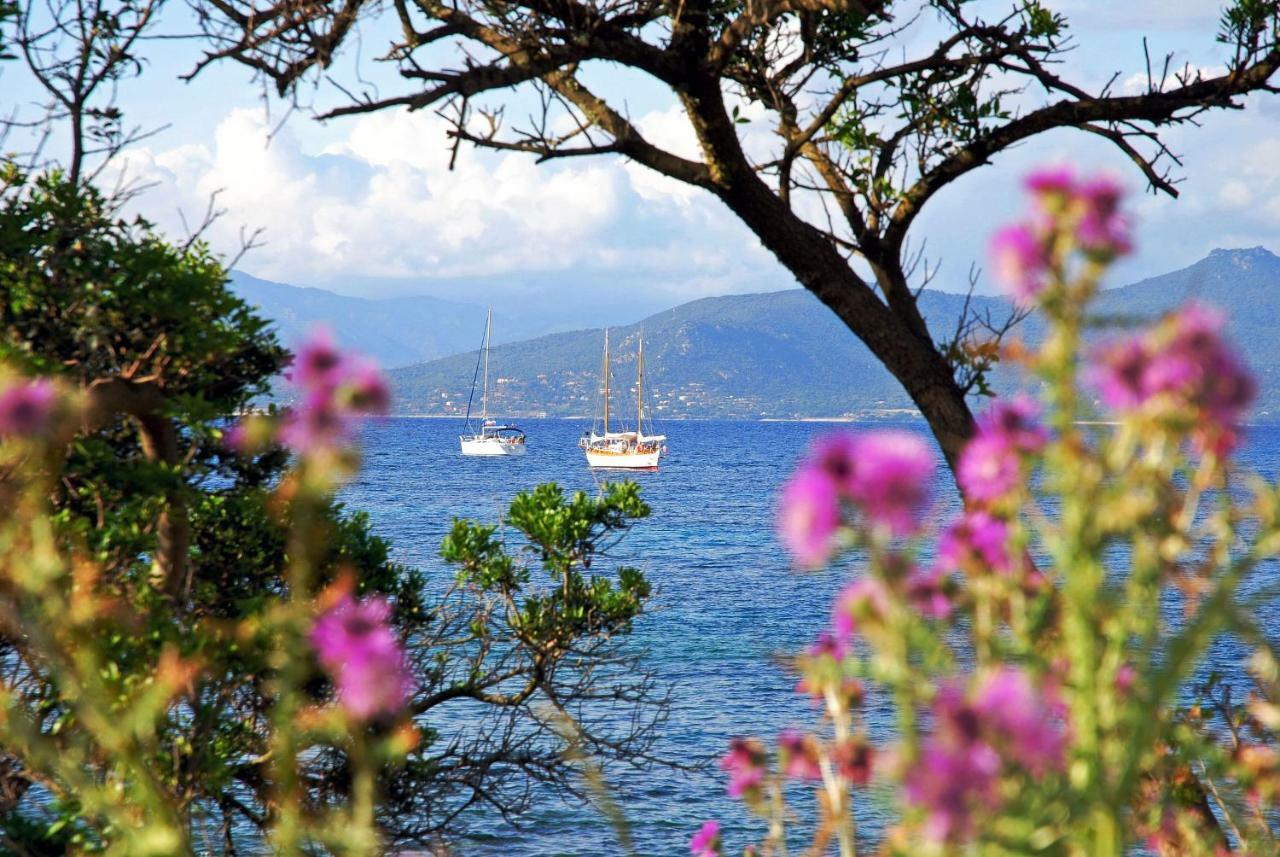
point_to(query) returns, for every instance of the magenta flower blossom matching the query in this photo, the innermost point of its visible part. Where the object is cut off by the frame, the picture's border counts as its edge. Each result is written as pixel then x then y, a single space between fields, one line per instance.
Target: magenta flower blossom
pixel 977 542
pixel 357 647
pixel 1007 725
pixel 318 364
pixel 990 469
pixel 1059 181
pixel 706 842
pixel 809 517
pixel 926 595
pixel 365 389
pixel 1087 210
pixel 891 478
pixel 863 600
pixel 827 645
pixel 26 408
pixel 316 424
pixel 853 760
pixel 1126 675
pixel 336 389
pixel 1020 262
pixel 1102 230
pixel 1023 720
pixel 798 756
pixel 1018 420
pixel 1181 367
pixel 885 474
pixel 1118 373
pixel 744 763
pixel 836 454
pixel 953 783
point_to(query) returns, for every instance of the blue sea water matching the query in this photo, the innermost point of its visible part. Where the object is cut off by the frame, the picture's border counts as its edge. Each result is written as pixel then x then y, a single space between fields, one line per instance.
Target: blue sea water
pixel 727 600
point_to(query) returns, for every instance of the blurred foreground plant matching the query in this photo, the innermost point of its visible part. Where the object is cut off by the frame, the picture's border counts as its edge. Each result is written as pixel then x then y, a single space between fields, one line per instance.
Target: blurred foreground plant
pixel 1040 651
pixel 199 647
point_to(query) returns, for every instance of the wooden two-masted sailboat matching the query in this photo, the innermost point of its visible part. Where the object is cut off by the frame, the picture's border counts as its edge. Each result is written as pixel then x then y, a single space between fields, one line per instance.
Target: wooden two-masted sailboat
pixel 624 449
pixel 492 438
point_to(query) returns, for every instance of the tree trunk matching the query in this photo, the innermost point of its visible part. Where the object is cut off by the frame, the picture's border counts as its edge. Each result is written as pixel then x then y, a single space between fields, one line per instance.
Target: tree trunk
pixel 898 343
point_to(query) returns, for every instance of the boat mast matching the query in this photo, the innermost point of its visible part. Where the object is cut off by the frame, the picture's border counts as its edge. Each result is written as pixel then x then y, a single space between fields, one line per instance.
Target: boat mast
pixel 640 391
pixel 484 397
pixel 606 382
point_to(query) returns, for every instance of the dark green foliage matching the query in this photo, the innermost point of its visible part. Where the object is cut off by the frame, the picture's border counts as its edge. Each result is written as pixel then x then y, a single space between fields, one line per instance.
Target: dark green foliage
pixel 8 11
pixel 95 300
pixel 1246 22
pixel 532 630
pixel 106 304
pixel 565 537
pixel 90 297
pixel 88 294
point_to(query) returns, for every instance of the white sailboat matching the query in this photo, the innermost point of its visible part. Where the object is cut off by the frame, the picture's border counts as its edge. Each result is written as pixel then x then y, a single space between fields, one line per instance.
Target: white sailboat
pixel 493 438
pixel 632 450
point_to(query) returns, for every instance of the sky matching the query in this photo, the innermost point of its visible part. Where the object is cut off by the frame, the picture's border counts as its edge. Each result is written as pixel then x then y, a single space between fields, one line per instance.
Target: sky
pixel 367 206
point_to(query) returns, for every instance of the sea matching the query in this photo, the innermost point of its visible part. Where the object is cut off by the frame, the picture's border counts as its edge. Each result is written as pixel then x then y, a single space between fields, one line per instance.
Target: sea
pixel 727 607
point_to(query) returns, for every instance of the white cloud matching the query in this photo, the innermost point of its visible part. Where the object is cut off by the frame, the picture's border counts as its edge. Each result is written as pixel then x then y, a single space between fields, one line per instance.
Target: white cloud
pixel 382 202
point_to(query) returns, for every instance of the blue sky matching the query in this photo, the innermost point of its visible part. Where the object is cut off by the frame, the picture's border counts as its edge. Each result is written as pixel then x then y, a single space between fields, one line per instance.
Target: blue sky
pixel 367 206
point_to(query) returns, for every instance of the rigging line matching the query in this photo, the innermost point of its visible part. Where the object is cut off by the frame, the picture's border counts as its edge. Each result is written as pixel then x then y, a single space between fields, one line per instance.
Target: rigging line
pixel 474 376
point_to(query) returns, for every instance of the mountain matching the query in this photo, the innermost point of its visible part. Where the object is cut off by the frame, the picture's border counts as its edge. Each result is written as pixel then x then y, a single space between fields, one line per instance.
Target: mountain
pixel 398 331
pixel 1244 284
pixel 778 354
pixel 784 355
pixel 394 331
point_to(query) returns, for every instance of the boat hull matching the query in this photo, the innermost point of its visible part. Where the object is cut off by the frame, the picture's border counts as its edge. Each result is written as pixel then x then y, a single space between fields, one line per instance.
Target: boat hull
pixel 491 447
pixel 623 460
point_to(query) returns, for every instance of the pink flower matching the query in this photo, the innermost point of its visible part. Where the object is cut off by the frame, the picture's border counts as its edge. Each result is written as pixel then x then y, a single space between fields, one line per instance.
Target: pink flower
pixel 745 765
pixel 827 646
pixel 836 454
pixel 925 593
pixel 1017 420
pixel 1086 210
pixel 316 424
pixel 336 389
pixel 977 542
pixel 798 756
pixel 1022 719
pixel 1118 373
pixel 356 645
pixel 1021 262
pixel 1101 230
pixel 1183 368
pixel 891 478
pixel 989 469
pixel 953 782
pixel 365 389
pixel 318 364
pixel 706 842
pixel 1008 724
pixel 861 601
pixel 1052 182
pixel 809 516
pixel 853 760
pixel 1125 677
pixel 26 408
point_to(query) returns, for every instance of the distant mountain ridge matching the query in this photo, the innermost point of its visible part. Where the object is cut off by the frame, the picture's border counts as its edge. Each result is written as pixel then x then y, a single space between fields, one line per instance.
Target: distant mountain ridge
pixel 394 331
pixel 783 355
